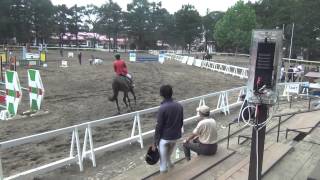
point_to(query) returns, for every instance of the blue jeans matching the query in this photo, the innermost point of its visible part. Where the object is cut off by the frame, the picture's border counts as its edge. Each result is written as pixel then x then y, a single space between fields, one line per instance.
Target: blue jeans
pixel 166 148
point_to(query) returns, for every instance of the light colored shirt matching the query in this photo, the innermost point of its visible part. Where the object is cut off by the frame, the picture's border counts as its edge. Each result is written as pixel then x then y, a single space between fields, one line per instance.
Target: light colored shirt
pixel 282 72
pixel 207 131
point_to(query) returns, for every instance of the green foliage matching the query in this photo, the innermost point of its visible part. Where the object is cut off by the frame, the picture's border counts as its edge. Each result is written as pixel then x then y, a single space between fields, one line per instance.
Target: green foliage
pixel 188 25
pixel 303 13
pixel 6 21
pixel 60 21
pixel 42 19
pixel 233 31
pixel 110 20
pixel 209 21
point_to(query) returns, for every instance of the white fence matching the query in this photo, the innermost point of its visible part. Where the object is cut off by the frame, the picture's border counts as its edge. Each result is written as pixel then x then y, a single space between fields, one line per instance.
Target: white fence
pixel 78 152
pixel 302 61
pixel 240 72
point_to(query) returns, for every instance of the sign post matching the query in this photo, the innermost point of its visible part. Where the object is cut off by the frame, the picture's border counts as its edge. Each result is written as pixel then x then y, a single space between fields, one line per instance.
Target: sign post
pixel 266 46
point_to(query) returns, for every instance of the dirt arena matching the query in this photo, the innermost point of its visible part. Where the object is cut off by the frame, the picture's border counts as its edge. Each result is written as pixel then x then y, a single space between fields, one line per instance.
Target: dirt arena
pixel 79 94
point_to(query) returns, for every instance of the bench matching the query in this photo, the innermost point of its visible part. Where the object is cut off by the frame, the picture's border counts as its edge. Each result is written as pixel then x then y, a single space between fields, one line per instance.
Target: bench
pixel 272 154
pixel 303 123
pixel 315 174
pixel 195 167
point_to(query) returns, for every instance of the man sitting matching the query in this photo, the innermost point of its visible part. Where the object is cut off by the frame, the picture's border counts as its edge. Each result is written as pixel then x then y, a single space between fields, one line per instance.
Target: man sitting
pixel 203 139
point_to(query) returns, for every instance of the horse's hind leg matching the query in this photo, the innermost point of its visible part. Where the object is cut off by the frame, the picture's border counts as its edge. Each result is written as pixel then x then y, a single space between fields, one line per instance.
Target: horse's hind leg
pixel 129 101
pixel 116 99
pixel 125 95
pixel 134 96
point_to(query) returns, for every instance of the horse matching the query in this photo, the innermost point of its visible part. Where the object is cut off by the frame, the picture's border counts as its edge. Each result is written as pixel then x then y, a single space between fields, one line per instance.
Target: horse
pixel 120 83
pixel 207 57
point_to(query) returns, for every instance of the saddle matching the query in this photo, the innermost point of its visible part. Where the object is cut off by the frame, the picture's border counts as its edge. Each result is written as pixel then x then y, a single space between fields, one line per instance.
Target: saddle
pixel 126 80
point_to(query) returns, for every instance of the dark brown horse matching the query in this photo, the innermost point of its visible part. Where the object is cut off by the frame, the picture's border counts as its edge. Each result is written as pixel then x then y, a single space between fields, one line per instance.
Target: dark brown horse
pixel 121 83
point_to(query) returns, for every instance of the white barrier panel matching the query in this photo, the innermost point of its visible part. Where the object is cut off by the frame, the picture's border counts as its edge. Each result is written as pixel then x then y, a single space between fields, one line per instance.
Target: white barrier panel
pixel 70 54
pixel 32 56
pixel 198 62
pixel 293 88
pixel 190 61
pixel 132 56
pixel 64 63
pixel 184 60
pixel 161 58
pixel 240 72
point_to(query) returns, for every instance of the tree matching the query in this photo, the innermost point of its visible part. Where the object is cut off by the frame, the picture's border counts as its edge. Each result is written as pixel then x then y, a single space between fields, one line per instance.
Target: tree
pixel 188 24
pixel 111 21
pixel 233 31
pixel 22 20
pixel 209 21
pixel 74 21
pixel 6 21
pixel 303 13
pixel 139 23
pixel 61 21
pixel 307 28
pixel 42 19
pixel 92 18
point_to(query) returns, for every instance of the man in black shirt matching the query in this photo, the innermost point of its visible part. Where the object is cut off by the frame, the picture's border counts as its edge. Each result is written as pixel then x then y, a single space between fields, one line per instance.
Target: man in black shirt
pixel 168 127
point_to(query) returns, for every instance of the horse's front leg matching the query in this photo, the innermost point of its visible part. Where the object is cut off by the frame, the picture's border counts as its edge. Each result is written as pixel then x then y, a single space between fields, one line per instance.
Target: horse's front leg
pixel 116 99
pixel 134 97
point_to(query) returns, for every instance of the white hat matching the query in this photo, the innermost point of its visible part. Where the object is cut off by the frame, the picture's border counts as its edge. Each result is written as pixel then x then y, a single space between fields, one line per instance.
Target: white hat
pixel 203 109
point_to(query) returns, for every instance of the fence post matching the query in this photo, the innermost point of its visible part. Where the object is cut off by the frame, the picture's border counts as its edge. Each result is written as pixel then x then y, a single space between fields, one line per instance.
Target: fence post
pixel 309 105
pixel 278 129
pixel 134 126
pixel 72 144
pixel 84 144
pixel 93 157
pixel 140 131
pixel 78 149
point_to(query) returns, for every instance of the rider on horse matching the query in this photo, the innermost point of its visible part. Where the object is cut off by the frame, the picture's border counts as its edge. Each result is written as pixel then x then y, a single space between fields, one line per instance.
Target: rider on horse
pixel 120 68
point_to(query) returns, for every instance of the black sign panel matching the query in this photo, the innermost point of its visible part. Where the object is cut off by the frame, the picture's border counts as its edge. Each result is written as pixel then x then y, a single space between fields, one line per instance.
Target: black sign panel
pixel 264 65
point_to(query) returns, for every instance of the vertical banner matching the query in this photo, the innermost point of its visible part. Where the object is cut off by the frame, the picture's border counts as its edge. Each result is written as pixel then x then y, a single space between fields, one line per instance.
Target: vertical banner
pixel 132 56
pixel 3 56
pixel 13 92
pixel 43 56
pixel 36 90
